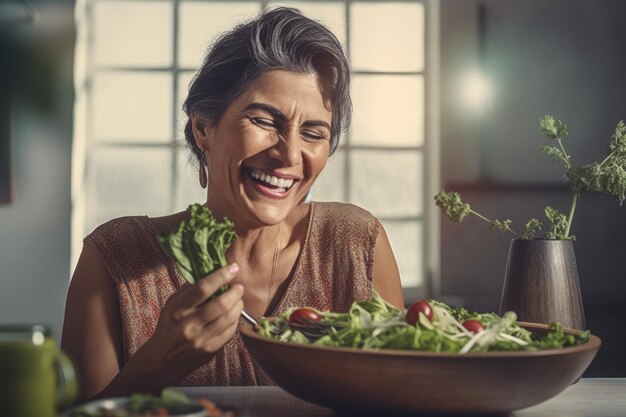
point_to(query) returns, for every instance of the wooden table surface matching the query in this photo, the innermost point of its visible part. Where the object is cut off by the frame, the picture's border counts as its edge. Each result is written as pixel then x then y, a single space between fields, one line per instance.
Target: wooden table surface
pixel 590 397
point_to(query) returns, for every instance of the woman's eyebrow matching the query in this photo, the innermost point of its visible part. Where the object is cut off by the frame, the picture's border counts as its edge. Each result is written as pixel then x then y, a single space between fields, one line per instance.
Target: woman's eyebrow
pixel 317 123
pixel 281 116
pixel 268 108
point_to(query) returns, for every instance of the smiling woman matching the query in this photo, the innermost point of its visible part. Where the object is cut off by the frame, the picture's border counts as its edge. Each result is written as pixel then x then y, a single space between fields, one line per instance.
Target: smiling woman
pixel 276 133
pixel 265 111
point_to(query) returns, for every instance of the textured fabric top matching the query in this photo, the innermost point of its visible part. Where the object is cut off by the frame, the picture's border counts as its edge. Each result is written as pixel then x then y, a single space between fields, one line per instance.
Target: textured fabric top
pixel 334 269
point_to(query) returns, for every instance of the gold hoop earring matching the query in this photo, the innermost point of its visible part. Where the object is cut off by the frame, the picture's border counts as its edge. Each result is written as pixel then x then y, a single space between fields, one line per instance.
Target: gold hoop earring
pixel 203 175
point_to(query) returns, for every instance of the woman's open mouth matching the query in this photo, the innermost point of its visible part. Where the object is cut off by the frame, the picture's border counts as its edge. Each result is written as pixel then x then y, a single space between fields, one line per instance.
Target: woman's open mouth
pixel 277 186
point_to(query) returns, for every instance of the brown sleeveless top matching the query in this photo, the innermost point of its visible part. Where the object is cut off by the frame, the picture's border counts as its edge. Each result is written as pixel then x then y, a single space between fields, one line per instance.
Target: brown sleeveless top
pixel 334 269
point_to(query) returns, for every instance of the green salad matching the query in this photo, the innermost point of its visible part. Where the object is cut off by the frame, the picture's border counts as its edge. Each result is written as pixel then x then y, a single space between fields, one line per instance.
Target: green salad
pixel 428 325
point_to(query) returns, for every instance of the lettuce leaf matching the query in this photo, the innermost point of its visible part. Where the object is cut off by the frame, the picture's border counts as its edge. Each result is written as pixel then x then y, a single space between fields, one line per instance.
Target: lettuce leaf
pixel 198 246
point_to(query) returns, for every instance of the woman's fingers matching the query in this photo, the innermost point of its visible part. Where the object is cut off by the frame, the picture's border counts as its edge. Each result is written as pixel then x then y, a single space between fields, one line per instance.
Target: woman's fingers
pixel 198 293
pixel 201 325
pixel 223 307
pixel 212 324
pixel 213 341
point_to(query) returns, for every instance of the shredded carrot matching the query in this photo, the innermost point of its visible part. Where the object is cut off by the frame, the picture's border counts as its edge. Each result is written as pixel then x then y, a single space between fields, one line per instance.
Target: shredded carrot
pixel 210 407
pixel 161 411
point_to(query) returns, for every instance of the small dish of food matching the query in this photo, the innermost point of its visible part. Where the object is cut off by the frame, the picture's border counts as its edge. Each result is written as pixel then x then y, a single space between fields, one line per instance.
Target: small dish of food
pixel 172 403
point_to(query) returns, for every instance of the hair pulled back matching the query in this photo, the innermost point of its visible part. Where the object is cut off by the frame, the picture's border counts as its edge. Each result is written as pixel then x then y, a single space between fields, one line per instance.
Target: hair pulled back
pixel 282 38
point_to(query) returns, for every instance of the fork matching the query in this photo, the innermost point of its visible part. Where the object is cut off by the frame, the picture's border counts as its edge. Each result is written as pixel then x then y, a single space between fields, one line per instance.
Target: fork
pixel 249 318
pixel 307 331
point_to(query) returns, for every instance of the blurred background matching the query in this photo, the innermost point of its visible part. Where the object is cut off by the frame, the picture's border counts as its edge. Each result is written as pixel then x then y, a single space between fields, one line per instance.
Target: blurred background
pixel 447 94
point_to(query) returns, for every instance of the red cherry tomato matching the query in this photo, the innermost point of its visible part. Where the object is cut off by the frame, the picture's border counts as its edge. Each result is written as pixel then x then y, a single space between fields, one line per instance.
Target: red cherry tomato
pixel 421 306
pixel 473 326
pixel 303 317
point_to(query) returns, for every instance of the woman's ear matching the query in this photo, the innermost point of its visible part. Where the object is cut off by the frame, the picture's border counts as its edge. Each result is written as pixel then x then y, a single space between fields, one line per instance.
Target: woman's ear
pixel 201 132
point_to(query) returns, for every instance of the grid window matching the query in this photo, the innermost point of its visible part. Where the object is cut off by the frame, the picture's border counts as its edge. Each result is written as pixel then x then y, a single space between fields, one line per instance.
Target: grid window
pixel 140 57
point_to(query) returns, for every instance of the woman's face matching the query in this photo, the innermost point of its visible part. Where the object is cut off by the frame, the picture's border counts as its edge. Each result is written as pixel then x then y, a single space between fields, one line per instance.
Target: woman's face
pixel 267 150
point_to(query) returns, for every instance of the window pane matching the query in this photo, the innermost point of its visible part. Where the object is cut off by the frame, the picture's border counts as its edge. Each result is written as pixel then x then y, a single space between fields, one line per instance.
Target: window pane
pixel 387 37
pixel 331 183
pixel 201 22
pixel 331 14
pixel 406 238
pixel 134 106
pixel 376 121
pixel 387 183
pixel 131 181
pixel 133 33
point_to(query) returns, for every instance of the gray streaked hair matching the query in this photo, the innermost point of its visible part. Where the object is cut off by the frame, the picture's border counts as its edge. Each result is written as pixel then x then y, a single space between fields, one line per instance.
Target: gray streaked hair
pixel 282 38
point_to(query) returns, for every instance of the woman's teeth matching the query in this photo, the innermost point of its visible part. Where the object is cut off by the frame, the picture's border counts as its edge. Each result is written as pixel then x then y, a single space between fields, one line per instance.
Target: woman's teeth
pixel 283 183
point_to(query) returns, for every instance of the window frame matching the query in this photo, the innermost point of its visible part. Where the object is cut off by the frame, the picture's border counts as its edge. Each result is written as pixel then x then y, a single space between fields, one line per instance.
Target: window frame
pixel 85 144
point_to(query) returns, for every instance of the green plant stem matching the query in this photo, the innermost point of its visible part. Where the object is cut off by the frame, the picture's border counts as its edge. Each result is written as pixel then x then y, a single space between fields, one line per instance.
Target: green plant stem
pixel 608 157
pixel 480 216
pixel 567 157
pixel 571 212
pixel 570 217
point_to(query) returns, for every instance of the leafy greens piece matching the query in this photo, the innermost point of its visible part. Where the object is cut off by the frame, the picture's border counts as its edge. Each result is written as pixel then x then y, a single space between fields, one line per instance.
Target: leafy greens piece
pixel 607 176
pixel 198 245
pixel 375 324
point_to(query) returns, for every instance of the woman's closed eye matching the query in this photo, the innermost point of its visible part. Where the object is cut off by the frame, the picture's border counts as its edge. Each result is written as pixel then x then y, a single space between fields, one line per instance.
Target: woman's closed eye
pixel 307 133
pixel 262 121
pixel 313 135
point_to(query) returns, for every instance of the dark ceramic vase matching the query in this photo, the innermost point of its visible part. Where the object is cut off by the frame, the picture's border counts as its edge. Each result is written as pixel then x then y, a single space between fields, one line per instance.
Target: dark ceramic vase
pixel 541 283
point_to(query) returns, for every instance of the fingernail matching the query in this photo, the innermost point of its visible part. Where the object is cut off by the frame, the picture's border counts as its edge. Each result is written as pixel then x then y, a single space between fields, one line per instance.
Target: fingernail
pixel 233 268
pixel 240 287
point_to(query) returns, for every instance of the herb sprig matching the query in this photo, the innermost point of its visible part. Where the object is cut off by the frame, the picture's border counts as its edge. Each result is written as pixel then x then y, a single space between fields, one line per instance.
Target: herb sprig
pixel 607 176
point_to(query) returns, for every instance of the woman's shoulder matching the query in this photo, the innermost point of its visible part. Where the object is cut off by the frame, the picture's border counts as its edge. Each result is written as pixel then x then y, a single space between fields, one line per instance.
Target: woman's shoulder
pixel 166 224
pixel 343 220
pixel 118 226
pixel 336 211
pixel 128 246
pixel 130 225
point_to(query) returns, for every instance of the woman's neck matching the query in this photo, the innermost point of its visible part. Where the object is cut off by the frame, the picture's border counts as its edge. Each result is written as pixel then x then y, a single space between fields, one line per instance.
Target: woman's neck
pixel 250 235
pixel 256 243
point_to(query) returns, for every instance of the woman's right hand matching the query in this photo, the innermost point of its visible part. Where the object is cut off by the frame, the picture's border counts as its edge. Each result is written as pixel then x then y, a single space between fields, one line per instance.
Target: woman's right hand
pixel 190 329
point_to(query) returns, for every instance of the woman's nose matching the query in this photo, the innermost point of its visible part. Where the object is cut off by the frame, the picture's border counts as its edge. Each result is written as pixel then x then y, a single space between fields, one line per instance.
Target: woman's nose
pixel 287 149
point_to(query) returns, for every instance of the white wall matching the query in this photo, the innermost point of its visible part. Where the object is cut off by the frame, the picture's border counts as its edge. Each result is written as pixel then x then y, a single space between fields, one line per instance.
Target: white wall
pixel 560 57
pixel 35 226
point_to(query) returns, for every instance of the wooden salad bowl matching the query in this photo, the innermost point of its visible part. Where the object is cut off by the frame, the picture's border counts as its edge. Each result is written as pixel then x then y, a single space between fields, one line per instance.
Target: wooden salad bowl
pixel 407 382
